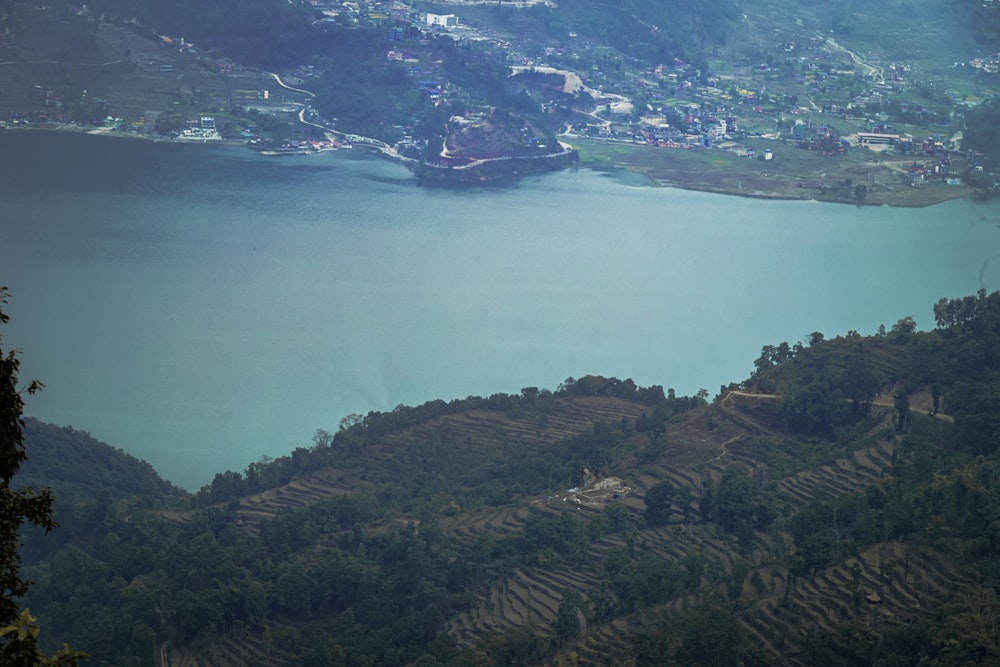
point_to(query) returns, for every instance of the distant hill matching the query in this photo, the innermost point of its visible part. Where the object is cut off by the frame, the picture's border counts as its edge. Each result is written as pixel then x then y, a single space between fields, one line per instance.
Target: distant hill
pixel 152 67
pixel 80 467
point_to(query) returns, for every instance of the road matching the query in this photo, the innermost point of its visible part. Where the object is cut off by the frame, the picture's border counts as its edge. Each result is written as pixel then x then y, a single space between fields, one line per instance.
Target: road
pixel 876 73
pixel 285 85
pixel 727 404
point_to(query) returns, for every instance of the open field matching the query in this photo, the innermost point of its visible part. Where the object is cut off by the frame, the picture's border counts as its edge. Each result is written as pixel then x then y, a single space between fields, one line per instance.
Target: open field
pixel 792 174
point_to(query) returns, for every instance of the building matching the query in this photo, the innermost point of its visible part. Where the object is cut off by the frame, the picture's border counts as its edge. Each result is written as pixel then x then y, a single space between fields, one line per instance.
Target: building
pixel 865 138
pixel 442 20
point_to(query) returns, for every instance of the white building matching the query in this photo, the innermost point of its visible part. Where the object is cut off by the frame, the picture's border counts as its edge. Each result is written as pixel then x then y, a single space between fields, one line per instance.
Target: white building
pixel 443 20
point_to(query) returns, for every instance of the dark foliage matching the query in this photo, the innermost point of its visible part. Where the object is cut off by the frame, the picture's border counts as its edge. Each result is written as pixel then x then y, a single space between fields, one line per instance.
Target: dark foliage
pixel 272 33
pixel 82 467
pixel 981 133
pixel 19 507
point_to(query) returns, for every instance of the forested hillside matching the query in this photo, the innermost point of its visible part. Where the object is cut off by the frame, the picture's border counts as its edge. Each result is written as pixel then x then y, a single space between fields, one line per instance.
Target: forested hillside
pixel 83 468
pixel 836 508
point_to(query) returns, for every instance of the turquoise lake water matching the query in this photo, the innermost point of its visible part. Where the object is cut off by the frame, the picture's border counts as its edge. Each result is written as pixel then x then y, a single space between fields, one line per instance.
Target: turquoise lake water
pixel 202 306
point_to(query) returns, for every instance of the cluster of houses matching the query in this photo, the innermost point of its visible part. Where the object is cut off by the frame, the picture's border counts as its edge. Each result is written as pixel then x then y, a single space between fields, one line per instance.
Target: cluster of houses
pixel 939 170
pixel 201 129
pixel 361 12
pixel 990 63
pixel 595 492
pixel 711 110
pixel 825 141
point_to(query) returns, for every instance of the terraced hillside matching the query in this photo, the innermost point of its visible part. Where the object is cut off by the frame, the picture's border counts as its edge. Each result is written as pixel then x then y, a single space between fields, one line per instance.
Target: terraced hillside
pixel 547 555
pixel 884 585
pixel 479 437
pixel 900 582
pixel 836 508
pixel 527 583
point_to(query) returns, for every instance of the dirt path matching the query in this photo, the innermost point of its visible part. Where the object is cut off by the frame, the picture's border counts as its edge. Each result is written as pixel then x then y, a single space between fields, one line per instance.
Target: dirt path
pixel 727 404
pixel 724 449
pixel 872 71
pixel 285 85
pixel 935 415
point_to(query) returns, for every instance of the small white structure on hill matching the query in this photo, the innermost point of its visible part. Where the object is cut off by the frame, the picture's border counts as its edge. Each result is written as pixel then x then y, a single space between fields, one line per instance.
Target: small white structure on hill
pixel 443 20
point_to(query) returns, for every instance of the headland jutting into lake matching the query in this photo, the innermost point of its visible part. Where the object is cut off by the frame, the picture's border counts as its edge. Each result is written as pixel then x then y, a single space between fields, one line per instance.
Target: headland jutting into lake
pixel 862 177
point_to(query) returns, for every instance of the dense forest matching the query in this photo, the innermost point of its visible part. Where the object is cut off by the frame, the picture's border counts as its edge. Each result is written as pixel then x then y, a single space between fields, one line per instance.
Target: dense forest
pixel 837 507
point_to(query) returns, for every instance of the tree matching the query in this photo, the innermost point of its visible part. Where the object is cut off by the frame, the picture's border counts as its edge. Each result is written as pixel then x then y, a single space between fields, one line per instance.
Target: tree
pixel 20 647
pixel 901 405
pixel 18 632
pixel 567 623
pixel 711 635
pixel 734 498
pixel 903 329
pixel 659 500
pixel 970 634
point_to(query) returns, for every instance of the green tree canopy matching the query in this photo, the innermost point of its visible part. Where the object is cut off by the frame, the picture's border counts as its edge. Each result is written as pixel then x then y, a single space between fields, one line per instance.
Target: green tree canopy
pixel 658 503
pixel 18 506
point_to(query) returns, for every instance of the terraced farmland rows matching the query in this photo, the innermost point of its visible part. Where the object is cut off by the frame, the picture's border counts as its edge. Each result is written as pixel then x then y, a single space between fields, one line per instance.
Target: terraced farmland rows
pixel 250 651
pixel 465 529
pixel 607 643
pixel 529 596
pixel 848 475
pixel 610 639
pixel 487 431
pixel 675 544
pixel 524 596
pixel 823 602
pixel 228 652
pixel 827 600
pixel 763 634
pixel 299 493
pixel 482 433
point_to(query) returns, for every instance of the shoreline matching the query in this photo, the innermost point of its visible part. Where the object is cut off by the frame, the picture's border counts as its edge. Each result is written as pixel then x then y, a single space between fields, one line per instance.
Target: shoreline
pixel 779 196
pixel 860 178
pixel 663 174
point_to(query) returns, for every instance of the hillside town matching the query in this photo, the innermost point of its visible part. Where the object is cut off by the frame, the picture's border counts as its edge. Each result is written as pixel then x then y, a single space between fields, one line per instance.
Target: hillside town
pixel 807 92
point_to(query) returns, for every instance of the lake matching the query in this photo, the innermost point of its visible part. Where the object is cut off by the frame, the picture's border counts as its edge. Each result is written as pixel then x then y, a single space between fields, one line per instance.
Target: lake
pixel 203 306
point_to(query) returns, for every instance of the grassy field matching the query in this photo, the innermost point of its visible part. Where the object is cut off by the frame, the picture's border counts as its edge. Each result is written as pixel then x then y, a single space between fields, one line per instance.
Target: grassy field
pixel 787 176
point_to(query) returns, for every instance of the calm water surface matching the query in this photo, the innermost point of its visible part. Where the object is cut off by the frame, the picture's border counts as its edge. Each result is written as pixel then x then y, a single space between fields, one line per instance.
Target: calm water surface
pixel 201 307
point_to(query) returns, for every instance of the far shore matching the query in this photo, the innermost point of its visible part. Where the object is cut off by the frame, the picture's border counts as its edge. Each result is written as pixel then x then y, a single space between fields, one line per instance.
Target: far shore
pixel 794 174
pixel 698 170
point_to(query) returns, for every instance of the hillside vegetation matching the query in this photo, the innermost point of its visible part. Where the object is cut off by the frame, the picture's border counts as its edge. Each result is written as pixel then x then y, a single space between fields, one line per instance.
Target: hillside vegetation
pixel 836 508
pixel 83 468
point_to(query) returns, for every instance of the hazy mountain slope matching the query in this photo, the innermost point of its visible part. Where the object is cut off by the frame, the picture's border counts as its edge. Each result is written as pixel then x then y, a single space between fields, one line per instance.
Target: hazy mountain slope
pixel 82 467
